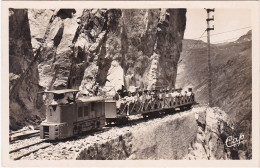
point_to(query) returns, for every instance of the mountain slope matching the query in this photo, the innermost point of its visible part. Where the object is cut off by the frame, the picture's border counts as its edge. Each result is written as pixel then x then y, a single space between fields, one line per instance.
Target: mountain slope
pixel 231 77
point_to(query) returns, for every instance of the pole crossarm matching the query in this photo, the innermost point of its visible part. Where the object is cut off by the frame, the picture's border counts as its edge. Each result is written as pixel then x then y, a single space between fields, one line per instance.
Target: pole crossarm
pixel 210 10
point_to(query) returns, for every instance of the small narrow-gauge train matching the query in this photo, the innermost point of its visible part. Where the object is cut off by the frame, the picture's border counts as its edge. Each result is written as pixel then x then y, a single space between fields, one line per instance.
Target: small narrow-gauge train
pixel 68 115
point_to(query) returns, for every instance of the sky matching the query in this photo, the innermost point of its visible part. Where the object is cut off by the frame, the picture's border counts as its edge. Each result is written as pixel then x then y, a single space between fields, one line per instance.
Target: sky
pixel 225 19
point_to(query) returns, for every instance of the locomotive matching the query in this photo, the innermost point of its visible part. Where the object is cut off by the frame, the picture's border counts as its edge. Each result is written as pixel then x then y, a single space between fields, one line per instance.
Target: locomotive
pixel 69 115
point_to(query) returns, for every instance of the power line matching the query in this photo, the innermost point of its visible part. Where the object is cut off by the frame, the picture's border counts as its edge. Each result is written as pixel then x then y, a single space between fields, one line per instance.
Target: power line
pixel 224 32
pixel 199 38
pixel 230 39
pixel 195 43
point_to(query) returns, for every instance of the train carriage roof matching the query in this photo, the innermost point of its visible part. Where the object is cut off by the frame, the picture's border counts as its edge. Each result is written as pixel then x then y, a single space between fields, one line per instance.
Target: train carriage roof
pixel 90 99
pixel 61 91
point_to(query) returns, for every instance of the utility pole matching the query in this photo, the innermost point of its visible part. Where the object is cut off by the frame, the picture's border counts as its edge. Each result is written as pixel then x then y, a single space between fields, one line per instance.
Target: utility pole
pixel 209 60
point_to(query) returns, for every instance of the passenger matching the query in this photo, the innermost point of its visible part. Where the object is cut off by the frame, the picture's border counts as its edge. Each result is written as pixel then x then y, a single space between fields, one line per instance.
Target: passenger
pixel 53 102
pixel 130 99
pixel 179 91
pixel 152 94
pixel 148 96
pixel 70 97
pixel 171 94
pixel 95 89
pixel 140 97
pixel 183 93
pixel 91 93
pixel 189 93
pixel 116 97
pixel 135 96
pixel 63 100
pixel 167 93
pixel 160 96
pixel 119 93
pixel 175 93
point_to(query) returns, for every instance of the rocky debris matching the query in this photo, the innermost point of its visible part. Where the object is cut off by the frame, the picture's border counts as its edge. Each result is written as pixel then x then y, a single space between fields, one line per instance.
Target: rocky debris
pixel 193 134
pixel 231 79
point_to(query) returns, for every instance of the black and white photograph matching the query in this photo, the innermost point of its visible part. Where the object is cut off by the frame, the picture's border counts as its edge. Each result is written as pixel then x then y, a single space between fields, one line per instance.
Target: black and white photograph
pixel 130 83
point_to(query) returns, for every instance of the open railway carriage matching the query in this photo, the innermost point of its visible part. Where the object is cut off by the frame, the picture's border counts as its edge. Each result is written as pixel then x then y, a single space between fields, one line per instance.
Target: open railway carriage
pixel 147 103
pixel 67 116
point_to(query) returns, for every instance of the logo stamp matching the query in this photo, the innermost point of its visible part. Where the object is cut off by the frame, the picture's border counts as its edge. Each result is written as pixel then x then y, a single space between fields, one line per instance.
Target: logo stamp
pixel 233 141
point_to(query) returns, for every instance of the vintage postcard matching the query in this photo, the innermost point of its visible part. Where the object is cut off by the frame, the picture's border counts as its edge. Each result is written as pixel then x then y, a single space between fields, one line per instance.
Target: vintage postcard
pixel 159 83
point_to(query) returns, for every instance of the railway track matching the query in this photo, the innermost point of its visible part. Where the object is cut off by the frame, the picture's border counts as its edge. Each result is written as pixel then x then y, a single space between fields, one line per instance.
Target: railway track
pixel 26 150
pixel 21 150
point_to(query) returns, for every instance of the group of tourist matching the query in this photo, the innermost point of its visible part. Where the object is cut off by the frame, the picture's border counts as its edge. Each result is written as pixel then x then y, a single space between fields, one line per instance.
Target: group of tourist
pixel 147 95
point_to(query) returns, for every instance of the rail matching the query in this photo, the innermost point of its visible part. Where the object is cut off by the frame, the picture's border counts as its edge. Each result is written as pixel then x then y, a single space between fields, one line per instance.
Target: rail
pixel 26 150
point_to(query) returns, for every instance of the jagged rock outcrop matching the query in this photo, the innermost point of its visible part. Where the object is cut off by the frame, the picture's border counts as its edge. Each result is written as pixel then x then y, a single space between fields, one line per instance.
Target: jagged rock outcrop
pixel 83 49
pixel 132 39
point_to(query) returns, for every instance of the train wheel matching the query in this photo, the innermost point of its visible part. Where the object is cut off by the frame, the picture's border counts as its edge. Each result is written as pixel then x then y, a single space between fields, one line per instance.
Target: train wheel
pixel 189 107
pixel 125 120
pixel 98 124
pixel 144 116
pixel 162 113
pixel 79 130
pixel 121 121
pixel 75 130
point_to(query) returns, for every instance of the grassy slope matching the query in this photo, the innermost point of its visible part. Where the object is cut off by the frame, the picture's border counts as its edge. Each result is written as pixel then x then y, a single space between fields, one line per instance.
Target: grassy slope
pixel 231 77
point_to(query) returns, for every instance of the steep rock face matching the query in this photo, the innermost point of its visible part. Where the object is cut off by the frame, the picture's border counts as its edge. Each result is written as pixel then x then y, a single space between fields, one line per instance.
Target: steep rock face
pixel 145 44
pixel 83 49
pixel 39 21
pixel 54 63
pixel 231 79
pixel 23 71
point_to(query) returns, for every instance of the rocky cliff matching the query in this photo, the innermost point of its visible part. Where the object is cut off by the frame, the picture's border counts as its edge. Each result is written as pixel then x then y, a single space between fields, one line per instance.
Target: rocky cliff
pixel 82 49
pixel 23 72
pixel 231 79
pixel 90 48
pixel 192 135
